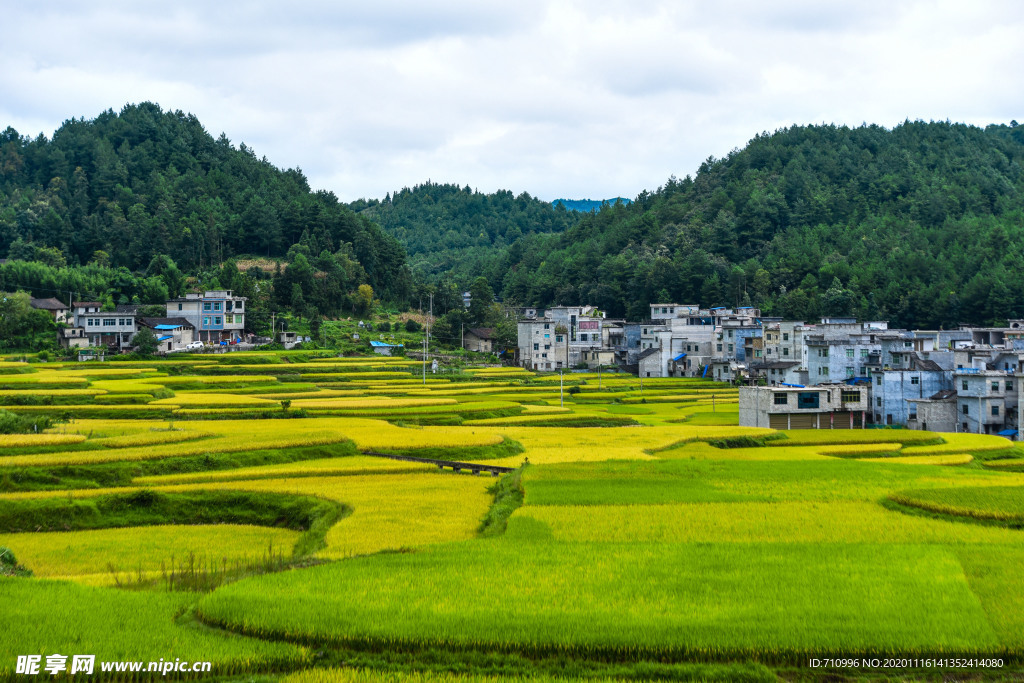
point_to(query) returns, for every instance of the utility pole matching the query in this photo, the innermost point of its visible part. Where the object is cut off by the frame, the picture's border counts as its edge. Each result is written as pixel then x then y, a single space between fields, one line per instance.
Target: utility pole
pixel 426 338
pixel 561 395
pixel 273 325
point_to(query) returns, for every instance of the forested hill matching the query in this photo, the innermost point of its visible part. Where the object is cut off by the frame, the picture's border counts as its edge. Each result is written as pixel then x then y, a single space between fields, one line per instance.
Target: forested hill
pixel 922 225
pixel 452 230
pixel 144 182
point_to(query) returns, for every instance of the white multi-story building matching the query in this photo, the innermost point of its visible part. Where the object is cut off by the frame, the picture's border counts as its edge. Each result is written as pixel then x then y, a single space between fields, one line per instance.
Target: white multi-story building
pixel 216 315
pixel 113 329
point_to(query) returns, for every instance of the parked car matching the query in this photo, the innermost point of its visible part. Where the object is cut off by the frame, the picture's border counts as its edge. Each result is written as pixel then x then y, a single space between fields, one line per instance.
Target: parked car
pixel 194 345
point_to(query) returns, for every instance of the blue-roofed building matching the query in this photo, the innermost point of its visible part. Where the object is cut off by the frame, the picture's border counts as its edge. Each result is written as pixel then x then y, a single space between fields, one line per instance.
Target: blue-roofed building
pixel 171 333
pixel 384 348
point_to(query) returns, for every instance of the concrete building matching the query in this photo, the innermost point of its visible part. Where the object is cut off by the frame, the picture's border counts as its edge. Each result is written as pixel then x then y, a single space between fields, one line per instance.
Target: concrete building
pixel 987 400
pixel 779 372
pixel 216 315
pixel 892 390
pixel 650 363
pixel 543 344
pixel 111 329
pixel 823 406
pixel 937 413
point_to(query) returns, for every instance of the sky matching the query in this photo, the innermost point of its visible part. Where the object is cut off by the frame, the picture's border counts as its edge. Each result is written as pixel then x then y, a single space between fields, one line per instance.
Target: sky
pixel 594 99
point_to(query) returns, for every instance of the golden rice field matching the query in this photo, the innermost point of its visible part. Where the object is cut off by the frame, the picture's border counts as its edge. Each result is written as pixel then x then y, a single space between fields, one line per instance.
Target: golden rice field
pixel 677 540
pixel 103 556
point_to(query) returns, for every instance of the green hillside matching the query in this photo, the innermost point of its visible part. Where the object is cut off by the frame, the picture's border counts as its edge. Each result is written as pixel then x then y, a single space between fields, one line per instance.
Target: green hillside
pixel 463 233
pixel 922 224
pixel 144 182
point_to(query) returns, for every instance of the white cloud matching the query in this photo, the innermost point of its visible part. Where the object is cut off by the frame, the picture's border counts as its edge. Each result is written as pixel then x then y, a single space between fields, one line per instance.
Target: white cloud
pixel 575 99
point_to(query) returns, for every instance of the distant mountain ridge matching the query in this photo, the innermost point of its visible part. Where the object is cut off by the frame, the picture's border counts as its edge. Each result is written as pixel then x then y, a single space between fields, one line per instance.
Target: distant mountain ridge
pixel 588 205
pixel 921 224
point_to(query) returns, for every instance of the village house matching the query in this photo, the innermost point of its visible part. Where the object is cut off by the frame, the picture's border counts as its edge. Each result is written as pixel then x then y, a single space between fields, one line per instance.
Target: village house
pixel 823 406
pixel 171 333
pixel 98 328
pixel 55 307
pixel 478 339
pixel 215 315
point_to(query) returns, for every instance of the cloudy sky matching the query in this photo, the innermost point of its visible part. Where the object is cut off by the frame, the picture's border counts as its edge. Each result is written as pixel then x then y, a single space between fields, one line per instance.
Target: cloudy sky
pixel 559 99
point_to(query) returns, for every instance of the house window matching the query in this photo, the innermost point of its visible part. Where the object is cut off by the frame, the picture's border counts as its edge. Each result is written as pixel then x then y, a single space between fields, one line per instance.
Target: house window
pixel 995 411
pixel 216 306
pixel 719 347
pixel 781 399
pixel 558 338
pixel 583 337
pixel 536 347
pixel 863 353
pixel 807 399
pixel 823 371
pixel 912 416
pixel 544 355
pixel 109 322
pixel 915 380
pixel 217 320
pixel 730 348
pixel 547 336
pixel 179 307
pixel 965 409
pixel 547 326
pixel 849 371
pixel 785 352
pixel 206 306
pixel 1009 385
pixel 995 386
pixel 963 385
pixel 547 346
pixel 907 344
pixel 757 353
pixel 849 396
pixel 206 321
pixel 878 380
pixel 849 353
pixel 878 401
pixel 785 336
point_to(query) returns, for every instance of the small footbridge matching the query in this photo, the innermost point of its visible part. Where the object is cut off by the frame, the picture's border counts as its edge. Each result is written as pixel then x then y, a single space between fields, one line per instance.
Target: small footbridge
pixel 474 467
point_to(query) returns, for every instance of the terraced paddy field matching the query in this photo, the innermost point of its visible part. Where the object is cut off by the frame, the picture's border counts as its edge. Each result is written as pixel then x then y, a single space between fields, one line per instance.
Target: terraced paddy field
pixel 240 511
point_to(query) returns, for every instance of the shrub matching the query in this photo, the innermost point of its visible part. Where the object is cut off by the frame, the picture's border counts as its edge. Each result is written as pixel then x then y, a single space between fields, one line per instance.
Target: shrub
pixel 412 326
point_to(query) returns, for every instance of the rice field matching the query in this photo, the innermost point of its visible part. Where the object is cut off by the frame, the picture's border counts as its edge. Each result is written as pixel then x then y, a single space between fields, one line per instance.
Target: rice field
pixel 649 528
pixel 103 556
